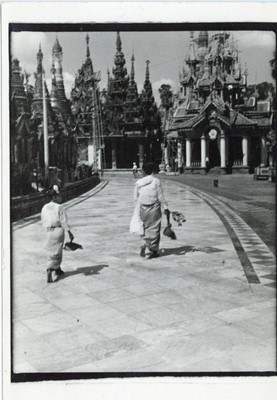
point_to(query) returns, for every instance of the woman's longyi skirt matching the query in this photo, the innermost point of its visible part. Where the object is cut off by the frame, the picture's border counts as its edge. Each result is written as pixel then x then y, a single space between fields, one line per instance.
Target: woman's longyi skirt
pixel 54 247
pixel 151 217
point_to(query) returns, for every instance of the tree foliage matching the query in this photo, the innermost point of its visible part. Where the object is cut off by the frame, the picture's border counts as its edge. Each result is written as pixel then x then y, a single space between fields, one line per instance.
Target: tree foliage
pixel 263 90
pixel 273 67
pixel 166 96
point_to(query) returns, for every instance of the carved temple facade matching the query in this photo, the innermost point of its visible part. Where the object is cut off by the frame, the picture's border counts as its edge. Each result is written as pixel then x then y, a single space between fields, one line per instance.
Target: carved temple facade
pixel 27 135
pixel 131 121
pixel 214 127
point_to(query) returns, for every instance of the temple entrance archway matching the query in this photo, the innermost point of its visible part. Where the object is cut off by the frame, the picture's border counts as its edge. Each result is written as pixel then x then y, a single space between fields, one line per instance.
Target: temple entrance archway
pixel 213 148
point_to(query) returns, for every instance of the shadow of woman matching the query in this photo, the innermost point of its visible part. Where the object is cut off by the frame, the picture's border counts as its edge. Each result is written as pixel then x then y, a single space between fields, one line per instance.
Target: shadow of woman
pixel 177 251
pixel 181 251
pixel 88 271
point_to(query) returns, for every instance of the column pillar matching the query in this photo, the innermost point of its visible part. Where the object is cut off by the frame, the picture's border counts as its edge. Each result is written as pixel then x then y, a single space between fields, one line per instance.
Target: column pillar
pixel 141 154
pixel 166 155
pixel 263 151
pixel 180 154
pixel 188 153
pixel 114 155
pixel 91 151
pixel 222 151
pixel 245 151
pixel 203 152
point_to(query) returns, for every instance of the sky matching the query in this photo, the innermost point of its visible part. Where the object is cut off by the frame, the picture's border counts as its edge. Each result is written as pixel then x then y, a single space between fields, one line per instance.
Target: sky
pixel 166 52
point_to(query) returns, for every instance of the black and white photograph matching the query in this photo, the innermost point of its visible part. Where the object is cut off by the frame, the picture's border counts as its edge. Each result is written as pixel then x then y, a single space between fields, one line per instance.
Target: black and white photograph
pixel 142 184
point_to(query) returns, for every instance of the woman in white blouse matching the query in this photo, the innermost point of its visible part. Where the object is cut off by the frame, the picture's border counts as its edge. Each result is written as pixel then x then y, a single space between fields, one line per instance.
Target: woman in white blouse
pixel 54 219
pixel 149 193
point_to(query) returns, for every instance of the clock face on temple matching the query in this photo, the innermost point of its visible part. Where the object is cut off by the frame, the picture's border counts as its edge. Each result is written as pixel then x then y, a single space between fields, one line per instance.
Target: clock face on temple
pixel 213 134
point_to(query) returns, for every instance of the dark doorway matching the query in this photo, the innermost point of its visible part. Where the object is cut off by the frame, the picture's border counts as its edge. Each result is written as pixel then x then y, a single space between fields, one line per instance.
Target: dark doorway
pixel 214 154
pixel 255 153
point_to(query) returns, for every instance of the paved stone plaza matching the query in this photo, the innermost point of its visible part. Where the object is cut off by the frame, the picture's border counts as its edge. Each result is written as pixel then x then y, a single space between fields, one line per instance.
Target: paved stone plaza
pixel 206 305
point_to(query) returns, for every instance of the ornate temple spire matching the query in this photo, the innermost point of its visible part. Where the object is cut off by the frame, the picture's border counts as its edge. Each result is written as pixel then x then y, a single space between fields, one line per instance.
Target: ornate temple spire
pixel 132 68
pixel 58 99
pixel 147 92
pixel 17 87
pixel 87 40
pixel 37 100
pixel 54 95
pixel 119 71
pixel 39 60
pixel 147 74
pixel 118 42
pixel 192 54
pixel 57 54
pixel 57 47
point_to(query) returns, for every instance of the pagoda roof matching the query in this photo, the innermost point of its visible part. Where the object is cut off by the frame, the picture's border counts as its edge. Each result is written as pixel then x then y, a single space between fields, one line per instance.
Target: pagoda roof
pixel 262 122
pixel 235 118
pixel 57 46
pixel 189 123
pixel 238 119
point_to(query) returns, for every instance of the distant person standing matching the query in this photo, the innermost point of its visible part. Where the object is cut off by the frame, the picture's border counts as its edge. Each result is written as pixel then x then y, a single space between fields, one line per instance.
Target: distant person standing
pixel 54 219
pixel 150 197
pixel 135 170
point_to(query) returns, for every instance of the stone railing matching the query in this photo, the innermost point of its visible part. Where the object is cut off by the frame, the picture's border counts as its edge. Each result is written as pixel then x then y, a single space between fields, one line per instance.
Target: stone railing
pixel 25 206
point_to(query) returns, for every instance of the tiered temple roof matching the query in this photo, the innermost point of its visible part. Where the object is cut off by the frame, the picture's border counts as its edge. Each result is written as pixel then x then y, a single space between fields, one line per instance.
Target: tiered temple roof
pixel 212 72
pixel 148 105
pixel 117 93
pixel 37 102
pixel 85 87
pixel 133 118
pixel 17 89
pixel 125 111
pixel 59 101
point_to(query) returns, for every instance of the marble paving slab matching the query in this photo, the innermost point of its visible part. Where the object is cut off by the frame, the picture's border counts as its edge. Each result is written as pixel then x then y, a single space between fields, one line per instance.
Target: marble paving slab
pixel 191 309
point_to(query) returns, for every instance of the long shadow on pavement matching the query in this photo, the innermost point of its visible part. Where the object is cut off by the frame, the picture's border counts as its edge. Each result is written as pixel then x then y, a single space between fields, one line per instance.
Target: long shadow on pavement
pixel 88 271
pixel 179 251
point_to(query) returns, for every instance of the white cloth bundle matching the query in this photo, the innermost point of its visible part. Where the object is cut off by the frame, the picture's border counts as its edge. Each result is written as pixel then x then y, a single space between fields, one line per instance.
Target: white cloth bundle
pixel 136 224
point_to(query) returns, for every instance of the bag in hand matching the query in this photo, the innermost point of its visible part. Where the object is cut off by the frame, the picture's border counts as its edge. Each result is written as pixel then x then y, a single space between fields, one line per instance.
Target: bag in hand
pixel 168 231
pixel 72 246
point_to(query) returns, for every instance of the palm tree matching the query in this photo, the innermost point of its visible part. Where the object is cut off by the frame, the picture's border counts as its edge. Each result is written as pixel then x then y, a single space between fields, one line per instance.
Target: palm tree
pixel 273 67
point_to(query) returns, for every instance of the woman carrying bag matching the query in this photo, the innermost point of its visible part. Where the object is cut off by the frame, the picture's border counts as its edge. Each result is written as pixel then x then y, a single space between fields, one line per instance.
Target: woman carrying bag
pixel 54 219
pixel 150 200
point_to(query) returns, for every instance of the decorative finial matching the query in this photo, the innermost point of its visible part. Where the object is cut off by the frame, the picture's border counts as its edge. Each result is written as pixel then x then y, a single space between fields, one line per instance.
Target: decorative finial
pixel 39 60
pixel 87 41
pixel 57 50
pixel 133 68
pixel 147 70
pixel 118 42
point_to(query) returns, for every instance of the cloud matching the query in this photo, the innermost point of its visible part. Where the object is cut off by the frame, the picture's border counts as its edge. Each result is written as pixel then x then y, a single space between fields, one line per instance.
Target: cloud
pixel 255 39
pixel 165 81
pixel 68 80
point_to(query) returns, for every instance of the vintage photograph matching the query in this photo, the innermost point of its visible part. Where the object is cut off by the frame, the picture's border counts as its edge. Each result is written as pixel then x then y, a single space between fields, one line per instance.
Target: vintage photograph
pixel 142 199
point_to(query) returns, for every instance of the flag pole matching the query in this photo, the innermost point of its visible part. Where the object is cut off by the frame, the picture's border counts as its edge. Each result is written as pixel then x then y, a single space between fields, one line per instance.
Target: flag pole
pixel 45 131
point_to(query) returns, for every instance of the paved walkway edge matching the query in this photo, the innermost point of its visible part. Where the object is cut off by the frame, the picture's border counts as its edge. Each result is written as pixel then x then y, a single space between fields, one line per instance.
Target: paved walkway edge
pixel 70 203
pixel 251 249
